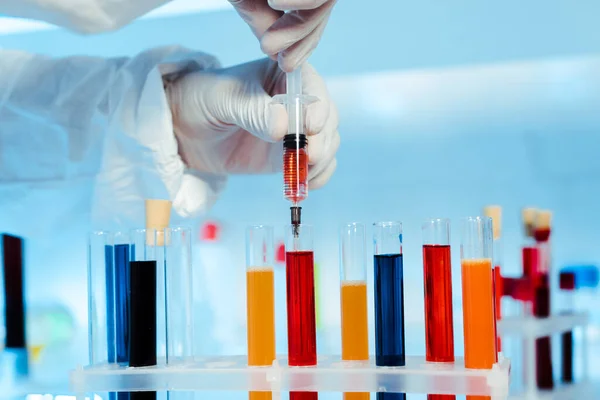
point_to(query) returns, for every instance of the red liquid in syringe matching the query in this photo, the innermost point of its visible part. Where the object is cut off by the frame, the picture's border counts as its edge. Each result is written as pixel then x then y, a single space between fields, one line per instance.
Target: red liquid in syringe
pixel 295 168
pixel 301 323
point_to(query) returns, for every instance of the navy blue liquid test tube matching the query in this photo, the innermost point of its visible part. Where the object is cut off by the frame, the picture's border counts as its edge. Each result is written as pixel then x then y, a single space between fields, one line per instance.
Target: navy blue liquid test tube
pixel 389 299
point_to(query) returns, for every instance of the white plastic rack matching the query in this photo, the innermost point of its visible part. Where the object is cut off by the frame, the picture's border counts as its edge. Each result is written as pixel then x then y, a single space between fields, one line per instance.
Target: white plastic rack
pixel 530 329
pixel 330 375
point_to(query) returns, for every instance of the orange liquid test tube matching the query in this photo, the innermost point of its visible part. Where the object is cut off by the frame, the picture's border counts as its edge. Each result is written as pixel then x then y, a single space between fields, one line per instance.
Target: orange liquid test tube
pixel 479 319
pixel 260 299
pixel 353 297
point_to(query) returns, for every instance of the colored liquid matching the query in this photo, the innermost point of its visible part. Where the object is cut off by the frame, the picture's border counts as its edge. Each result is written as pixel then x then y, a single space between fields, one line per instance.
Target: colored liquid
pixel 301 323
pixel 143 324
pixel 357 396
pixel 261 315
pixel 439 331
pixel 541 235
pixel 498 293
pixel 439 334
pixel 389 310
pixel 567 357
pixel 355 329
pixel 259 396
pixel 260 303
pixel 478 314
pixel 543 353
pixel 295 174
pixel 304 396
pixel 117 292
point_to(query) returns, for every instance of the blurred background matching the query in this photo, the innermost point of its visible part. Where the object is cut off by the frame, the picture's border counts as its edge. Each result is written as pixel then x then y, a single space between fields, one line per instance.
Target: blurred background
pixel 444 108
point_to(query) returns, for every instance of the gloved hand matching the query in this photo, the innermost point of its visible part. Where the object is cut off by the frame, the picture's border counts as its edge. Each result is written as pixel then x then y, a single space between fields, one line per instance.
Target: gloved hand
pixel 290 37
pixel 226 122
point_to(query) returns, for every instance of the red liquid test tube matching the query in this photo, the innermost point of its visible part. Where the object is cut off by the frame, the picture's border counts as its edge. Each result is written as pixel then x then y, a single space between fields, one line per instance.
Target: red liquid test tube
pixel 437 269
pixel 300 292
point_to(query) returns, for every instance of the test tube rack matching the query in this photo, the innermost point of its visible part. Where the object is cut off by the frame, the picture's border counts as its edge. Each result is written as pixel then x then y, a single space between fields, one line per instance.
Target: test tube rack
pixel 530 329
pixel 330 375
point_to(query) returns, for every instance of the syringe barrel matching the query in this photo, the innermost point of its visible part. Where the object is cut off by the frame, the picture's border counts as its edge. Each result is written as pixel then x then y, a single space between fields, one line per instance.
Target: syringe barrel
pixel 295 156
pixel 295 106
pixel 295 168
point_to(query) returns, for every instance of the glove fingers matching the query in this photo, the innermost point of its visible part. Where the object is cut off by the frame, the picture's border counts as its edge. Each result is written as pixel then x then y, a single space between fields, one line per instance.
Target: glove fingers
pixel 295 55
pixel 284 5
pixel 323 177
pixel 247 104
pixel 292 27
pixel 257 14
pixel 322 148
pixel 318 113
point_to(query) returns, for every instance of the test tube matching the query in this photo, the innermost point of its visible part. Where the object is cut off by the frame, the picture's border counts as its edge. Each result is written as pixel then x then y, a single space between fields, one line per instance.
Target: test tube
pixel 108 300
pixel 15 346
pixel 170 248
pixel 478 293
pixel 495 213
pixel 389 299
pixel 260 299
pixel 300 292
pixel 437 269
pixel 353 297
pixel 541 299
pixel 567 286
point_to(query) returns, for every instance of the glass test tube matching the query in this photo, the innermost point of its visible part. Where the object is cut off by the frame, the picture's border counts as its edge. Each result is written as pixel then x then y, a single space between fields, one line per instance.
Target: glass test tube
pixel 437 271
pixel 108 287
pixel 171 249
pixel 260 292
pixel 478 293
pixel 541 299
pixel 260 299
pixel 15 358
pixel 353 297
pixel 300 292
pixel 108 300
pixel 567 287
pixel 389 299
pixel 437 268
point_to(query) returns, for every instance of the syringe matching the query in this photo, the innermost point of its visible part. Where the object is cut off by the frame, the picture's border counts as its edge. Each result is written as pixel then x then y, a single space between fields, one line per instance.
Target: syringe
pixel 295 143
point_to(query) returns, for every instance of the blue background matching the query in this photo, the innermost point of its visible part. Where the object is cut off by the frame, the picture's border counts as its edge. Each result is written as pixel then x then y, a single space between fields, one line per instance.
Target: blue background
pixel 444 108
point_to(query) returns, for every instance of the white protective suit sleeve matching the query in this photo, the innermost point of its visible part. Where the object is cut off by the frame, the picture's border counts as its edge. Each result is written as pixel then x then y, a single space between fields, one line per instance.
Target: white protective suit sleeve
pixel 83 16
pixel 107 120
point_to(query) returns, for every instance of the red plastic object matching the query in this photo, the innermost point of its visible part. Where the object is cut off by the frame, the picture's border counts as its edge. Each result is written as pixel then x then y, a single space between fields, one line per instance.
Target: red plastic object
pixel 280 253
pixel 210 232
pixel 567 281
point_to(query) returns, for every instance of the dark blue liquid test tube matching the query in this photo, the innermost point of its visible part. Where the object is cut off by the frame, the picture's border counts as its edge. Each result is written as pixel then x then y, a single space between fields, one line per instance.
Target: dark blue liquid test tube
pixel 389 299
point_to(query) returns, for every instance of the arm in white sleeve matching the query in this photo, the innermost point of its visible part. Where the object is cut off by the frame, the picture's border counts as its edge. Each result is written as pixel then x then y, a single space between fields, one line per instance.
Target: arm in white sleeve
pixel 108 119
pixel 83 16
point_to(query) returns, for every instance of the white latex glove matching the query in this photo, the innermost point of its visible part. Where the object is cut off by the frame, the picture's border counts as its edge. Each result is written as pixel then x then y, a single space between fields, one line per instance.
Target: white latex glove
pixel 225 121
pixel 290 37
